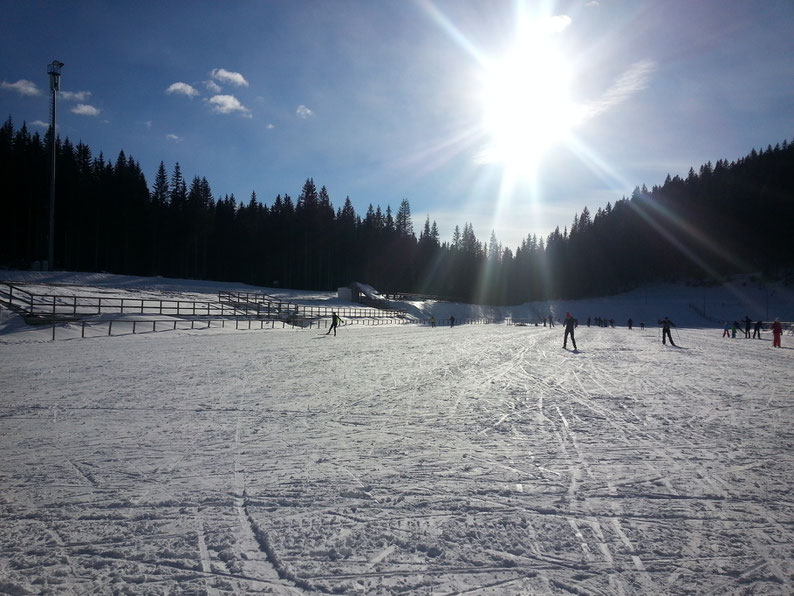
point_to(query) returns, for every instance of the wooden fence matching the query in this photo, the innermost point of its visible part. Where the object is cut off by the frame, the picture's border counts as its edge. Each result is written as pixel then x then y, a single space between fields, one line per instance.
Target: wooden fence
pixel 46 306
pixel 265 305
pixel 137 326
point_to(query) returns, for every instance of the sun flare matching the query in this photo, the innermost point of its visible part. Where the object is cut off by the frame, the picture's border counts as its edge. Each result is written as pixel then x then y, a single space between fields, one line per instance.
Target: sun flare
pixel 527 106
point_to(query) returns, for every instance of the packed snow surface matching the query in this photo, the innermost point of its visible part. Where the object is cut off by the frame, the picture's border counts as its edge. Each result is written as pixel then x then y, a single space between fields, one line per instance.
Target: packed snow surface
pixel 479 459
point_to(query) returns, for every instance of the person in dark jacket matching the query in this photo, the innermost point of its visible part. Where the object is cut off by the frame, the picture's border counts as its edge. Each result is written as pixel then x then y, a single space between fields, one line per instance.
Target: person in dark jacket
pixel 335 320
pixel 666 323
pixel 747 324
pixel 570 324
pixel 757 330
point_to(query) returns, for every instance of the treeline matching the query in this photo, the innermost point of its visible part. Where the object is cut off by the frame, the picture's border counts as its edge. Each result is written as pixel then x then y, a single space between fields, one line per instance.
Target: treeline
pixel 725 219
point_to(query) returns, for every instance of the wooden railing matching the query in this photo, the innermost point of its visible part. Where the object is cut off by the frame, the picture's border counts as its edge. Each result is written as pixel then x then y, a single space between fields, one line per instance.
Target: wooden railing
pixel 136 326
pixel 268 306
pixel 15 298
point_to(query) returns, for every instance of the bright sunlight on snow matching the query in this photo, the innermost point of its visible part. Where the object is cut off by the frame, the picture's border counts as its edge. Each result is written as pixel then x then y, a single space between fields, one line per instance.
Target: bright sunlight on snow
pixel 479 459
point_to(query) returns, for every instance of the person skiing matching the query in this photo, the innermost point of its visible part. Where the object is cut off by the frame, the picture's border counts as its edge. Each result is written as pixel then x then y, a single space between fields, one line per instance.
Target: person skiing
pixel 570 324
pixel 551 321
pixel 757 330
pixel 666 323
pixel 433 322
pixel 335 320
pixel 726 331
pixel 777 331
pixel 630 324
pixel 747 324
pixel 451 321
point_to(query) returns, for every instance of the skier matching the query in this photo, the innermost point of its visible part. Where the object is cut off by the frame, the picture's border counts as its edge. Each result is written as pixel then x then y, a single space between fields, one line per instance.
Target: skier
pixel 588 321
pixel 630 323
pixel 551 321
pixel 734 327
pixel 642 325
pixel 777 331
pixel 335 320
pixel 665 323
pixel 433 322
pixel 451 321
pixel 747 324
pixel 757 330
pixel 570 324
pixel 726 331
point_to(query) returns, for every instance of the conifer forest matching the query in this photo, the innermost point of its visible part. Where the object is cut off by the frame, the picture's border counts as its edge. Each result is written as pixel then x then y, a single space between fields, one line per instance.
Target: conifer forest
pixel 722 219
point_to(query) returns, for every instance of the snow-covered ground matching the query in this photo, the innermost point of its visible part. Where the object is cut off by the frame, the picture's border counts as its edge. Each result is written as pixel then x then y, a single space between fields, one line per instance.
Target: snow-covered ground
pixel 482 459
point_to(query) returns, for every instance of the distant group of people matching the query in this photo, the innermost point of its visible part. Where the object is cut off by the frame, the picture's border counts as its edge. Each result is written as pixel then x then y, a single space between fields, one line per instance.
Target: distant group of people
pixel 601 322
pixel 731 328
pixel 570 323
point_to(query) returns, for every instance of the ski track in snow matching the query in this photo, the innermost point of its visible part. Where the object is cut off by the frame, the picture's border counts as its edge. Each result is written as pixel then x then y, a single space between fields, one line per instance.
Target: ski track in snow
pixel 474 460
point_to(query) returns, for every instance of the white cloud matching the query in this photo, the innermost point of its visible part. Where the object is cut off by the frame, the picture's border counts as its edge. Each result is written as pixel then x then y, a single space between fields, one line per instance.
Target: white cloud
pixel 227 76
pixel 74 95
pixel 42 124
pixel 635 79
pixel 22 86
pixel 212 86
pixel 182 89
pixel 85 110
pixel 270 126
pixel 592 3
pixel 227 104
pixel 173 138
pixel 303 112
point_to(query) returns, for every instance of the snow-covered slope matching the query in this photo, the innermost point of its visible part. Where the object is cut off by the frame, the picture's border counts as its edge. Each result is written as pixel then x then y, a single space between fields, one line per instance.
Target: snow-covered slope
pixel 397 459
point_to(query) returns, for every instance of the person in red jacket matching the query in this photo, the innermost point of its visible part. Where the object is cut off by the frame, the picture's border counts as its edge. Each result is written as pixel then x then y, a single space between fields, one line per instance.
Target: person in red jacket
pixel 777 331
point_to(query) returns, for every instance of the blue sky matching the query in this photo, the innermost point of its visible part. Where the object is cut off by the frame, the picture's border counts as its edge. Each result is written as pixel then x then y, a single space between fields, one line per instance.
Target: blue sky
pixel 382 100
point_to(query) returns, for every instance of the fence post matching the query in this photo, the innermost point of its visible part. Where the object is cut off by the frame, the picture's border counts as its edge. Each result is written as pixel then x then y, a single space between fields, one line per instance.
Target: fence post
pixel 110 327
pixel 53 332
pixel 133 327
pixel 82 333
pixel 154 326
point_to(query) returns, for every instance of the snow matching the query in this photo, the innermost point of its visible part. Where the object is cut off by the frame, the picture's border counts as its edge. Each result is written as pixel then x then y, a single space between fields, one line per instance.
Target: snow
pixel 483 459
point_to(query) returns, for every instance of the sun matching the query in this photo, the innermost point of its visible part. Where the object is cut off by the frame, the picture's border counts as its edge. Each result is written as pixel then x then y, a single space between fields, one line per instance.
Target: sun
pixel 527 106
